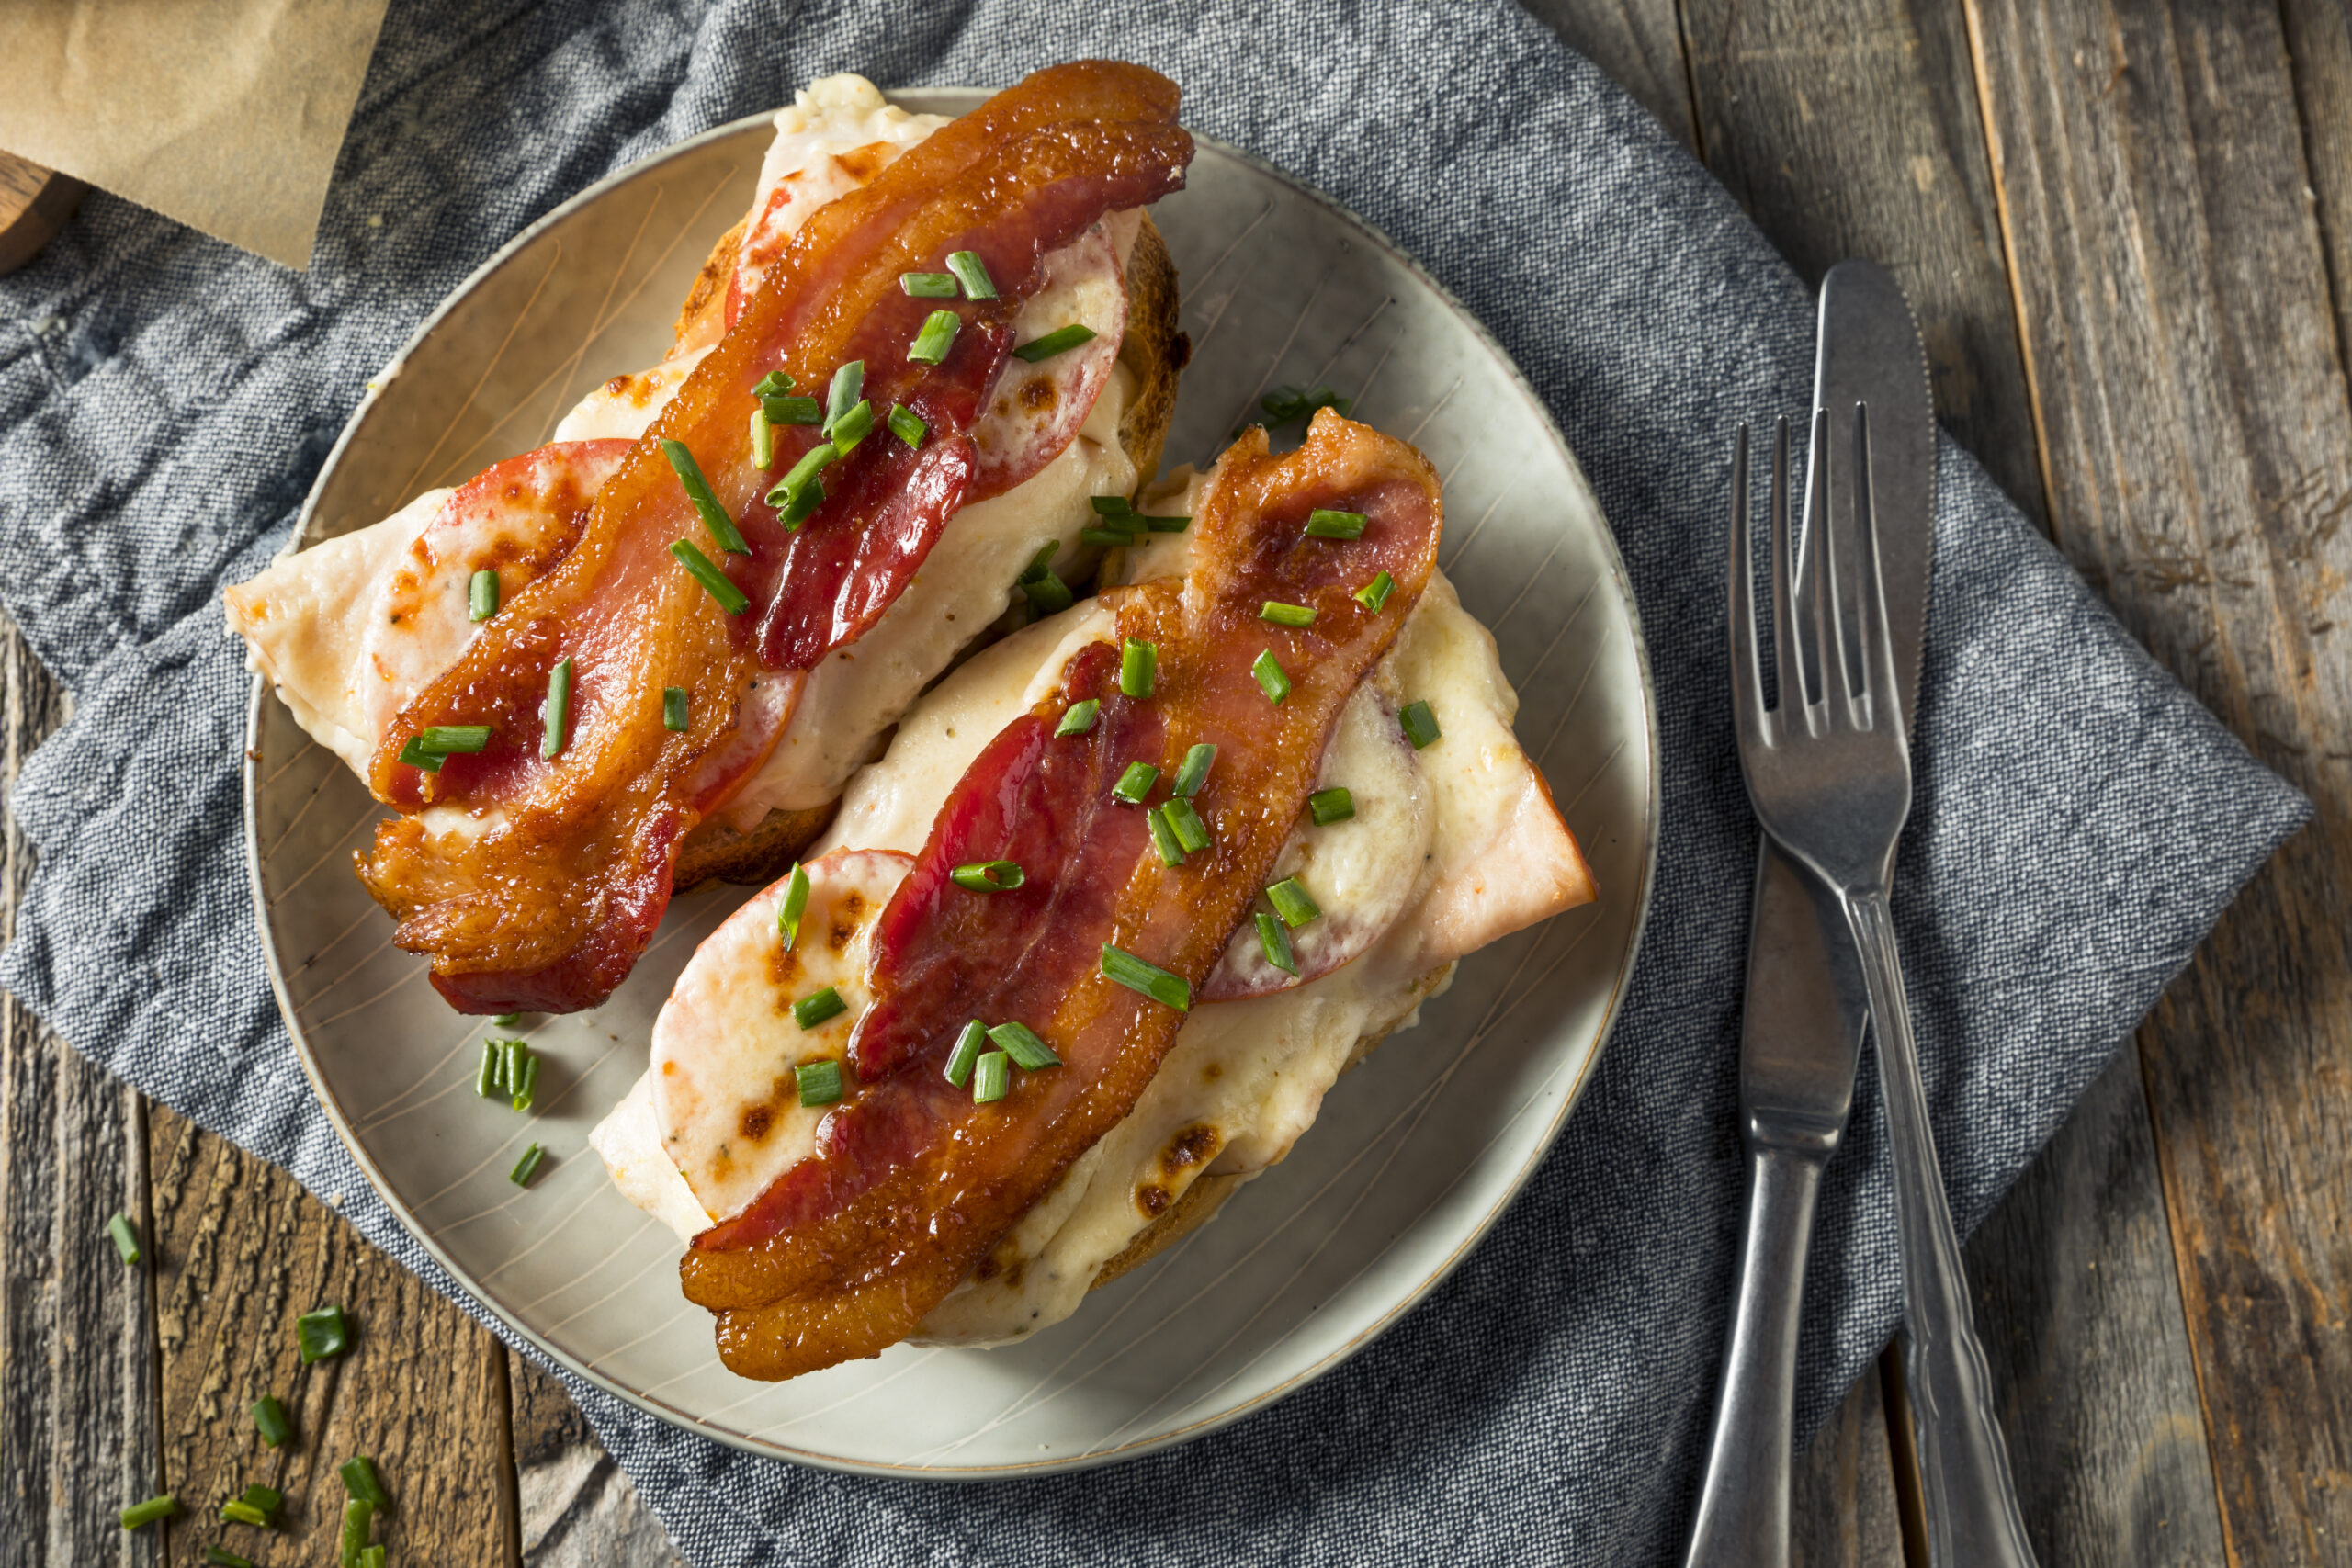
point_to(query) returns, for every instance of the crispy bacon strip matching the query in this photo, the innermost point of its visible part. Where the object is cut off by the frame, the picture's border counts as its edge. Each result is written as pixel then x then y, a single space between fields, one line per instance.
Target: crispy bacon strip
pixel 912 1183
pixel 549 908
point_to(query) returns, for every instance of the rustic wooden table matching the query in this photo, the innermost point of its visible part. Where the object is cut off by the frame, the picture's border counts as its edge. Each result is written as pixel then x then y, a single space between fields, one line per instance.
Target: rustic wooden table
pixel 2127 231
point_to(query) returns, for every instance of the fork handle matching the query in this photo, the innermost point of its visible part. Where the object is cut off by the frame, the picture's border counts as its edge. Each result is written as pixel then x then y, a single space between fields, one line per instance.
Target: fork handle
pixel 1971 1500
pixel 1743 1520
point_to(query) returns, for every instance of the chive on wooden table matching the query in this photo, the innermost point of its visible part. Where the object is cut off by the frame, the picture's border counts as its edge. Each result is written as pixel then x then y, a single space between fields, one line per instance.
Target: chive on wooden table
pixel 2128 232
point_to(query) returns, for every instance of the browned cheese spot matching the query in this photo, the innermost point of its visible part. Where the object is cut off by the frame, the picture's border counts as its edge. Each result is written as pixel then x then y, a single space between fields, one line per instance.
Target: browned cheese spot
pixel 1038 394
pixel 1152 1200
pixel 1213 1072
pixel 784 968
pixel 1195 1145
pixel 845 920
pixel 757 1123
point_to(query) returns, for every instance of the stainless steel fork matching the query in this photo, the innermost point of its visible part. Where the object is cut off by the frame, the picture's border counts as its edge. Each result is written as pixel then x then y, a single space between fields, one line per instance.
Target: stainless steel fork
pixel 1829 774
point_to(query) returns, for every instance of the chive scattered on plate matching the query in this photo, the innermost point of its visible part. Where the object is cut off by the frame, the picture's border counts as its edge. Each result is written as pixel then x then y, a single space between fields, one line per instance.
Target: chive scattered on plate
pixel 987 877
pixel 1271 680
pixel 1274 940
pixel 1138 667
pixel 1192 833
pixel 1194 770
pixel 938 335
pixel 1283 615
pixel 1330 806
pixel 528 1166
pixel 481 595
pixel 1135 783
pixel 1059 341
pixel 1163 837
pixel 1374 595
pixel 556 714
pixel 795 901
pixel 1078 717
pixel 907 426
pixel 323 1334
pixel 973 272
pixel 1419 724
pixel 928 285
pixel 819 1083
pixel 1021 1043
pixel 991 1078
pixel 722 528
pixel 1138 974
pixel 969 1046
pixel 818 1008
pixel 674 709
pixel 1292 902
pixel 731 599
pixel 1324 522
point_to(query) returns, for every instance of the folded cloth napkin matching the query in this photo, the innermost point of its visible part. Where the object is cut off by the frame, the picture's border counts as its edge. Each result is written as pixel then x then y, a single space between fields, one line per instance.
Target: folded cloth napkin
pixel 2080 822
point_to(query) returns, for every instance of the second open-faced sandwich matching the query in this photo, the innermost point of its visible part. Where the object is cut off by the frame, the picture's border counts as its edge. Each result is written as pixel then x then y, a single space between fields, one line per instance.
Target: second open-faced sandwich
pixel 1084 950
pixel 652 651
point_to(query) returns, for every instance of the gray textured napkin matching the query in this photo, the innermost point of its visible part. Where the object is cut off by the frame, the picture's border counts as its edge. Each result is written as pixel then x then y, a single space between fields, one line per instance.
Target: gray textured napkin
pixel 165 402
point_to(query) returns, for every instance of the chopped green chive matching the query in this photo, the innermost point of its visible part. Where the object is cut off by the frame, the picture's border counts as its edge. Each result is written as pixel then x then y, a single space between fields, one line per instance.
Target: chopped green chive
pixel 1325 523
pixel 1374 595
pixel 1059 341
pixel 528 1166
pixel 907 426
pixel 1292 903
pixel 820 1082
pixel 1050 594
pixel 1110 539
pixel 1135 783
pixel 1419 724
pixel 221 1557
pixel 1270 677
pixel 697 489
pixel 731 599
pixel 1288 405
pixel 1168 524
pixel 793 411
pixel 126 1240
pixel 359 1515
pixel 1283 615
pixel 449 739
pixel 269 1420
pixel 1041 564
pixel 1163 837
pixel 1137 974
pixel 1078 717
pixel 1194 772
pixel 969 1046
pixel 1191 831
pixel 416 756
pixel 973 272
pixel 557 711
pixel 846 391
pixel 1019 1042
pixel 322 1334
pixel 268 1499
pixel 1138 667
pixel 991 1078
pixel 481 595
pixel 506 1020
pixel 1330 806
pixel 799 505
pixel 147 1513
pixel 852 426
pixel 801 492
pixel 989 876
pixel 360 1480
pixel 928 285
pixel 491 1075
pixel 774 384
pixel 516 1053
pixel 525 1082
pixel 243 1513
pixel 795 901
pixel 1274 941
pixel 938 335
pixel 762 440
pixel 674 709
pixel 1111 505
pixel 372 1557
pixel 818 1008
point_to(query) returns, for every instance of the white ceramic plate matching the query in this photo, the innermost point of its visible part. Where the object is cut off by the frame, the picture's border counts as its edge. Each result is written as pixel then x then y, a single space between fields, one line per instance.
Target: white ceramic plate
pixel 1416 1152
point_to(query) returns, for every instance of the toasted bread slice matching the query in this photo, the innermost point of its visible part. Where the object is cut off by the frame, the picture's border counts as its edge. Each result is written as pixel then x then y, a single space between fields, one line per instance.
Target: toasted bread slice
pixel 1155 351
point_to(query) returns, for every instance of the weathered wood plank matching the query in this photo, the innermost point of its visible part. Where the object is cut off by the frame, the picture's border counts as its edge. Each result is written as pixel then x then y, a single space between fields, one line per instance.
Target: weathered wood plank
pixel 244 1251
pixel 1851 128
pixel 2181 344
pixel 2319 48
pixel 2079 1307
pixel 78 1397
pixel 1842 1510
pixel 578 1507
pixel 1638 43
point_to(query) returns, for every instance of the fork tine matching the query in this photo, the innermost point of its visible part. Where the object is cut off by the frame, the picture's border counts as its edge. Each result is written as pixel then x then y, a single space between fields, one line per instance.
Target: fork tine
pixel 1821 592
pixel 1884 694
pixel 1787 645
pixel 1746 663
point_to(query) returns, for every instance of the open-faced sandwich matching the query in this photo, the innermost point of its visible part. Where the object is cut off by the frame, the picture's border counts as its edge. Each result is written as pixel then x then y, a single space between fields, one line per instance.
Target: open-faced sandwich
pixel 652 651
pixel 1083 950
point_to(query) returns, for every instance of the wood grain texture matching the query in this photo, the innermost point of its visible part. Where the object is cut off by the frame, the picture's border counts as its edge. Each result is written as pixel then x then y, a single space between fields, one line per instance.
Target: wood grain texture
pixel 1842 1510
pixel 2080 1311
pixel 1851 128
pixel 242 1251
pixel 1639 44
pixel 2319 49
pixel 77 1398
pixel 35 203
pixel 2181 343
pixel 577 1505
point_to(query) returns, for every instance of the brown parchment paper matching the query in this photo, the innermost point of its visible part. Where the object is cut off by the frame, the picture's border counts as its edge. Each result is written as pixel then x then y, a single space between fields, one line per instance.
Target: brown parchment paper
pixel 224 114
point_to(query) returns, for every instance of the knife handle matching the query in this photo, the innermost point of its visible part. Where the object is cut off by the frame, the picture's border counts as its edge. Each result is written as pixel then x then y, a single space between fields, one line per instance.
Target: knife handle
pixel 1970 1499
pixel 1744 1503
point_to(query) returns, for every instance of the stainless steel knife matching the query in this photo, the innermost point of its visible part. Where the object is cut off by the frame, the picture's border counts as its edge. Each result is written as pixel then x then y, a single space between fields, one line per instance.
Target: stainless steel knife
pixel 1805 1006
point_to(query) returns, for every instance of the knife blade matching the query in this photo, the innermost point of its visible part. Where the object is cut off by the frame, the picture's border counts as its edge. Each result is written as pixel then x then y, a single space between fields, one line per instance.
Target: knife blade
pixel 1805 1009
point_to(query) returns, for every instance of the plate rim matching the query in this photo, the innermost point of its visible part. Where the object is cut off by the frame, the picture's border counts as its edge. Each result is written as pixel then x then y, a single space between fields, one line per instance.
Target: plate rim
pixel 1470 1236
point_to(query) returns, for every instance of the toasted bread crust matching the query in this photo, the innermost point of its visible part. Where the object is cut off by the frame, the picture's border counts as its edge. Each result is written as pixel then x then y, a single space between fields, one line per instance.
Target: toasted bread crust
pixel 1154 350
